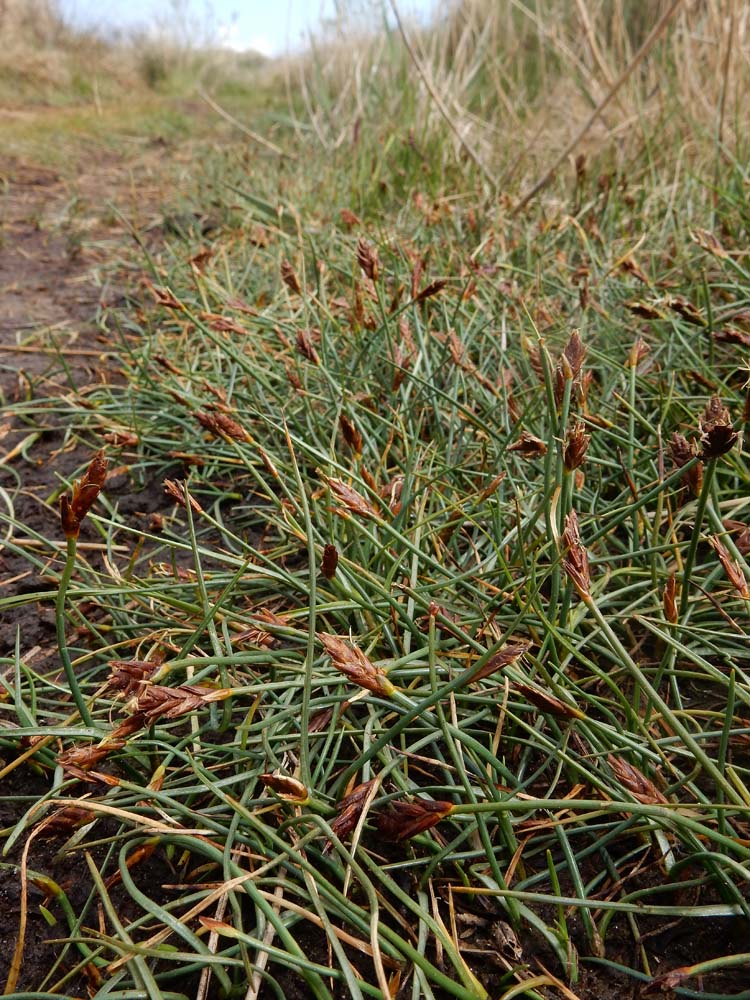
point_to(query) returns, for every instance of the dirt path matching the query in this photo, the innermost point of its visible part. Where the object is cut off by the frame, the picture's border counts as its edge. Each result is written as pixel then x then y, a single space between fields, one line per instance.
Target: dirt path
pixel 62 251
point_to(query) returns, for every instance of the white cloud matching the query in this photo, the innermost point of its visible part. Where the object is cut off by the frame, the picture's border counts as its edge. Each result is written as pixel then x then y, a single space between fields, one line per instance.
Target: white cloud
pixel 262 44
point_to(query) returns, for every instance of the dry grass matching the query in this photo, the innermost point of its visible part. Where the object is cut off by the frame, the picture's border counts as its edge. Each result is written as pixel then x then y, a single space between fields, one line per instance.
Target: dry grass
pixel 535 75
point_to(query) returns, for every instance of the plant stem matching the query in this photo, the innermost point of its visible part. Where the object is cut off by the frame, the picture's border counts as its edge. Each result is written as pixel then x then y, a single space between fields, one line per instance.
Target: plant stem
pixel 70 674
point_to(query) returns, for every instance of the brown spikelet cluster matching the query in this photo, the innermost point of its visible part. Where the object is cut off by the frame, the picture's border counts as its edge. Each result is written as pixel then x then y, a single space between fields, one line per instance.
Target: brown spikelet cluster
pixel 329 562
pixel 128 676
pixel 85 491
pixel 349 218
pixel 350 809
pixel 222 425
pixel 289 277
pixel 570 366
pixel 708 242
pixel 122 439
pixel 528 446
pixel 367 258
pixel 575 446
pixel 637 353
pixel 287 788
pixel 404 353
pixel 682 452
pixel 669 600
pixel 402 820
pixel 686 310
pixel 350 434
pixel 504 657
pixel 176 490
pixel 153 701
pixel 352 662
pixel 717 434
pixel 306 346
pixel 548 703
pixel 430 290
pixel 65 820
pixel 350 500
pixel 640 787
pixel 731 567
pixel 576 561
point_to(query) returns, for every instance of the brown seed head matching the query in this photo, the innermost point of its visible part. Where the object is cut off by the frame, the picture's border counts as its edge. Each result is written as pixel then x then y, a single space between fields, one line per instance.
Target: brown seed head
pixel 155 702
pixel 350 434
pixel 129 675
pixel 289 277
pixel 570 365
pixel 367 258
pixel 350 499
pixel 732 568
pixel 329 562
pixel 637 353
pixel 289 789
pixel 669 599
pixel 85 492
pixel 403 820
pixel 352 662
pixel 350 809
pixel 176 490
pixel 576 562
pixel 434 288
pixel 503 658
pixel 306 346
pixel 222 425
pixel 575 447
pixel 528 446
pixel 640 787
pixel 682 452
pixel 717 434
pixel 548 703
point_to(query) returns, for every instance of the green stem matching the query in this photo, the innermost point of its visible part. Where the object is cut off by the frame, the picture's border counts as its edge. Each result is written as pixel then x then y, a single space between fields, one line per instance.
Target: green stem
pixel 75 690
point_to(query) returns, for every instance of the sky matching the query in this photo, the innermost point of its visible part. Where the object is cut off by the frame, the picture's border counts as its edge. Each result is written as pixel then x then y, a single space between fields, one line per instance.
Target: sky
pixel 268 26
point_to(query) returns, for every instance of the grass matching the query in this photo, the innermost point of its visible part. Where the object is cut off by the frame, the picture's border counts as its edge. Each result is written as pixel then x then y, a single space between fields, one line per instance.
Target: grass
pixel 379 426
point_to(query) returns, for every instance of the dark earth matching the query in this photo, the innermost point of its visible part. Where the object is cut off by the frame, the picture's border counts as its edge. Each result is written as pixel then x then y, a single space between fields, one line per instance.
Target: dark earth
pixel 60 251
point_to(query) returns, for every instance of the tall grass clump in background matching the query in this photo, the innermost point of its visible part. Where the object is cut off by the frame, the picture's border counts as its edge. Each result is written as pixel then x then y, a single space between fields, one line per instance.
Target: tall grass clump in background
pixel 418 649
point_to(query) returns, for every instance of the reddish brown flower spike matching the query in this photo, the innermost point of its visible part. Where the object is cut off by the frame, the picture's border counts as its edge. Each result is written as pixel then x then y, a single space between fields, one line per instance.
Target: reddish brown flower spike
pixel 222 425
pixel 351 500
pixel 350 434
pixel 367 258
pixel 640 787
pixel 352 662
pixel 503 658
pixel 528 446
pixel 731 567
pixel 403 820
pixel 637 353
pixel 669 599
pixel 570 365
pixel 289 277
pixel 548 703
pixel 85 491
pixel 350 809
pixel 434 288
pixel 330 562
pixel 176 490
pixel 306 347
pixel 682 452
pixel 289 789
pixel 576 446
pixel 576 562
pixel 717 434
